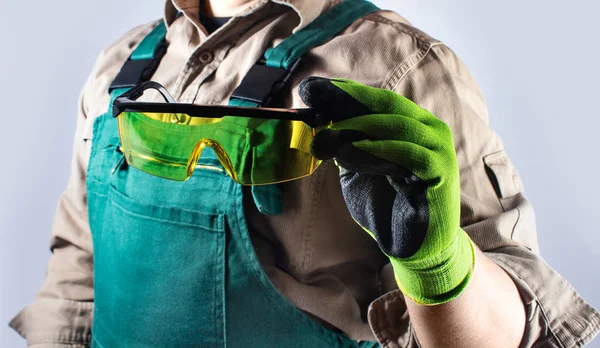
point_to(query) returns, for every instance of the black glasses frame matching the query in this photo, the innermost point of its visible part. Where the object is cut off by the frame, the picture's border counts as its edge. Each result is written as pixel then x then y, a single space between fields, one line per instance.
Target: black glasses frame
pixel 127 103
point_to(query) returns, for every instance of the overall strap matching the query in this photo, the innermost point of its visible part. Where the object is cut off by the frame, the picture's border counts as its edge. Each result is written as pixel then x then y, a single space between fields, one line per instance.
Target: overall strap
pixel 142 63
pixel 270 75
pixel 317 32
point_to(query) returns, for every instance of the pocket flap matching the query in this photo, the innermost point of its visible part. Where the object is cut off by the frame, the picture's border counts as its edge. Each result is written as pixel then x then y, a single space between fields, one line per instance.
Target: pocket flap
pixel 503 174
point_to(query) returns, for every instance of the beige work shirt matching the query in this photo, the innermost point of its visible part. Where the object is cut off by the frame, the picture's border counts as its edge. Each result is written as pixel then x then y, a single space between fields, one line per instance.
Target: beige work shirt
pixel 314 253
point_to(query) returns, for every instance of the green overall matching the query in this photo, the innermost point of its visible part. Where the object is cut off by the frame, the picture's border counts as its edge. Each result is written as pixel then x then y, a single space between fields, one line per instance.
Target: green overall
pixel 174 265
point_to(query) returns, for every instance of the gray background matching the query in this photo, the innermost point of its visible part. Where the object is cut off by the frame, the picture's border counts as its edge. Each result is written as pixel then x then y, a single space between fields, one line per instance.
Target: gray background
pixel 536 61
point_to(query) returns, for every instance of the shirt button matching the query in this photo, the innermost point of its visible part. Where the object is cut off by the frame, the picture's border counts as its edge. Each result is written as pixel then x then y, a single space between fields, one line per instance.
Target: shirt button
pixel 206 57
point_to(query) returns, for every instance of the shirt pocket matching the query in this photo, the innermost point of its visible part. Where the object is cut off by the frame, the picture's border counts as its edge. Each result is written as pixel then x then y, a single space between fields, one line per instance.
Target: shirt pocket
pixel 504 177
pixel 509 189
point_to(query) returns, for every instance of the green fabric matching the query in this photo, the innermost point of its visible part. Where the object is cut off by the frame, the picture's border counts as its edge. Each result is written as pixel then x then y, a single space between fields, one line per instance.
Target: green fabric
pixel 241 102
pixel 116 93
pixel 317 32
pixel 149 45
pixel 174 265
pixel 413 151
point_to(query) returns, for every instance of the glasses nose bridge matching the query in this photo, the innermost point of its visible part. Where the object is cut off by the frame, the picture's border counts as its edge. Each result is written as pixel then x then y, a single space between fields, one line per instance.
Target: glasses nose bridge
pixel 220 152
pixel 178 118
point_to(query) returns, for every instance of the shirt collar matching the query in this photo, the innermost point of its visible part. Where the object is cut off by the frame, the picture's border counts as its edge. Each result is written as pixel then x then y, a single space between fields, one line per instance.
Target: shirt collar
pixel 307 10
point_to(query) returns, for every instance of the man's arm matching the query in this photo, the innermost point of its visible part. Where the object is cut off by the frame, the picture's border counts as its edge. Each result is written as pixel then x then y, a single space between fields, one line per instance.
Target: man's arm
pixel 399 171
pixel 489 313
pixel 62 311
pixel 509 273
pixel 399 178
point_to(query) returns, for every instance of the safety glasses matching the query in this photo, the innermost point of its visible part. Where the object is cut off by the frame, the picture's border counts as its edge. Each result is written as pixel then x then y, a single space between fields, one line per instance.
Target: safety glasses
pixel 256 146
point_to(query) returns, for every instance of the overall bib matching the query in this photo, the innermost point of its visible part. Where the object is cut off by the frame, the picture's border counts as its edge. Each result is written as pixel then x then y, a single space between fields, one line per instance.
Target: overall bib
pixel 174 265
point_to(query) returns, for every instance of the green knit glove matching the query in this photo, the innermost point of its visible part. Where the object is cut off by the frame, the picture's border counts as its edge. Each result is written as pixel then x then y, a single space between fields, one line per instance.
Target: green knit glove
pixel 399 177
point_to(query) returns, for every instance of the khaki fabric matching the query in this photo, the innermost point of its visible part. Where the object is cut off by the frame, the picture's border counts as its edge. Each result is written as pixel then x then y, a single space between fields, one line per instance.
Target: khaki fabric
pixel 314 253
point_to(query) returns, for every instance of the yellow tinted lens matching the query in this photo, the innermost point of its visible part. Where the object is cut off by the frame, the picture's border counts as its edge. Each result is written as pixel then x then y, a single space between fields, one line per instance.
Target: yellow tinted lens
pixel 253 151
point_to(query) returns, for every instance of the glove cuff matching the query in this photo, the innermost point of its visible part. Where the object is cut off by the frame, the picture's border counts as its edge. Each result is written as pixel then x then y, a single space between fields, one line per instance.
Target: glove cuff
pixel 437 279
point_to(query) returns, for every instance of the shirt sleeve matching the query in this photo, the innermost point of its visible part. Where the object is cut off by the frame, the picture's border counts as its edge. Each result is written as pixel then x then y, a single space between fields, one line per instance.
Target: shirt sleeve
pixel 494 212
pixel 62 310
pixel 61 314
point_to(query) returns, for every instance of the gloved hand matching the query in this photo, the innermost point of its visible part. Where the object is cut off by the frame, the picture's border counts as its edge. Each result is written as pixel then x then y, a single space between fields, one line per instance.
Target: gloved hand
pixel 399 178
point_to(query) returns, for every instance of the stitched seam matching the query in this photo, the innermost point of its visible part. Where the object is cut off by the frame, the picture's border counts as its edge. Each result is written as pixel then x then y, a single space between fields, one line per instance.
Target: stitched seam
pixel 425 42
pixel 307 232
pixel 224 49
pixel 120 207
pixel 124 209
pixel 403 28
pixel 253 8
pixel 270 290
pixel 375 320
pixel 98 343
pixel 554 325
pixel 410 62
pixel 381 335
pixel 493 157
pixel 512 233
pixel 53 337
pixel 406 66
pixel 225 46
pixel 552 333
pixel 592 329
pixel 183 77
pixel 301 12
pixel 592 332
pixel 257 272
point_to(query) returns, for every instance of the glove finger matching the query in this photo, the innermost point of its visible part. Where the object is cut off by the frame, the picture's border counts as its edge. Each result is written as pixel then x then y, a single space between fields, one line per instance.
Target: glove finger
pixel 383 101
pixel 328 142
pixel 416 159
pixel 343 99
pixel 390 127
pixel 321 94
pixel 356 160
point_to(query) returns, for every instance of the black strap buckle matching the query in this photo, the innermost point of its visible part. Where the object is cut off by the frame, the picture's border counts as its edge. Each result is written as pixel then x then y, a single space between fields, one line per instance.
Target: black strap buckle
pixel 134 72
pixel 263 83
